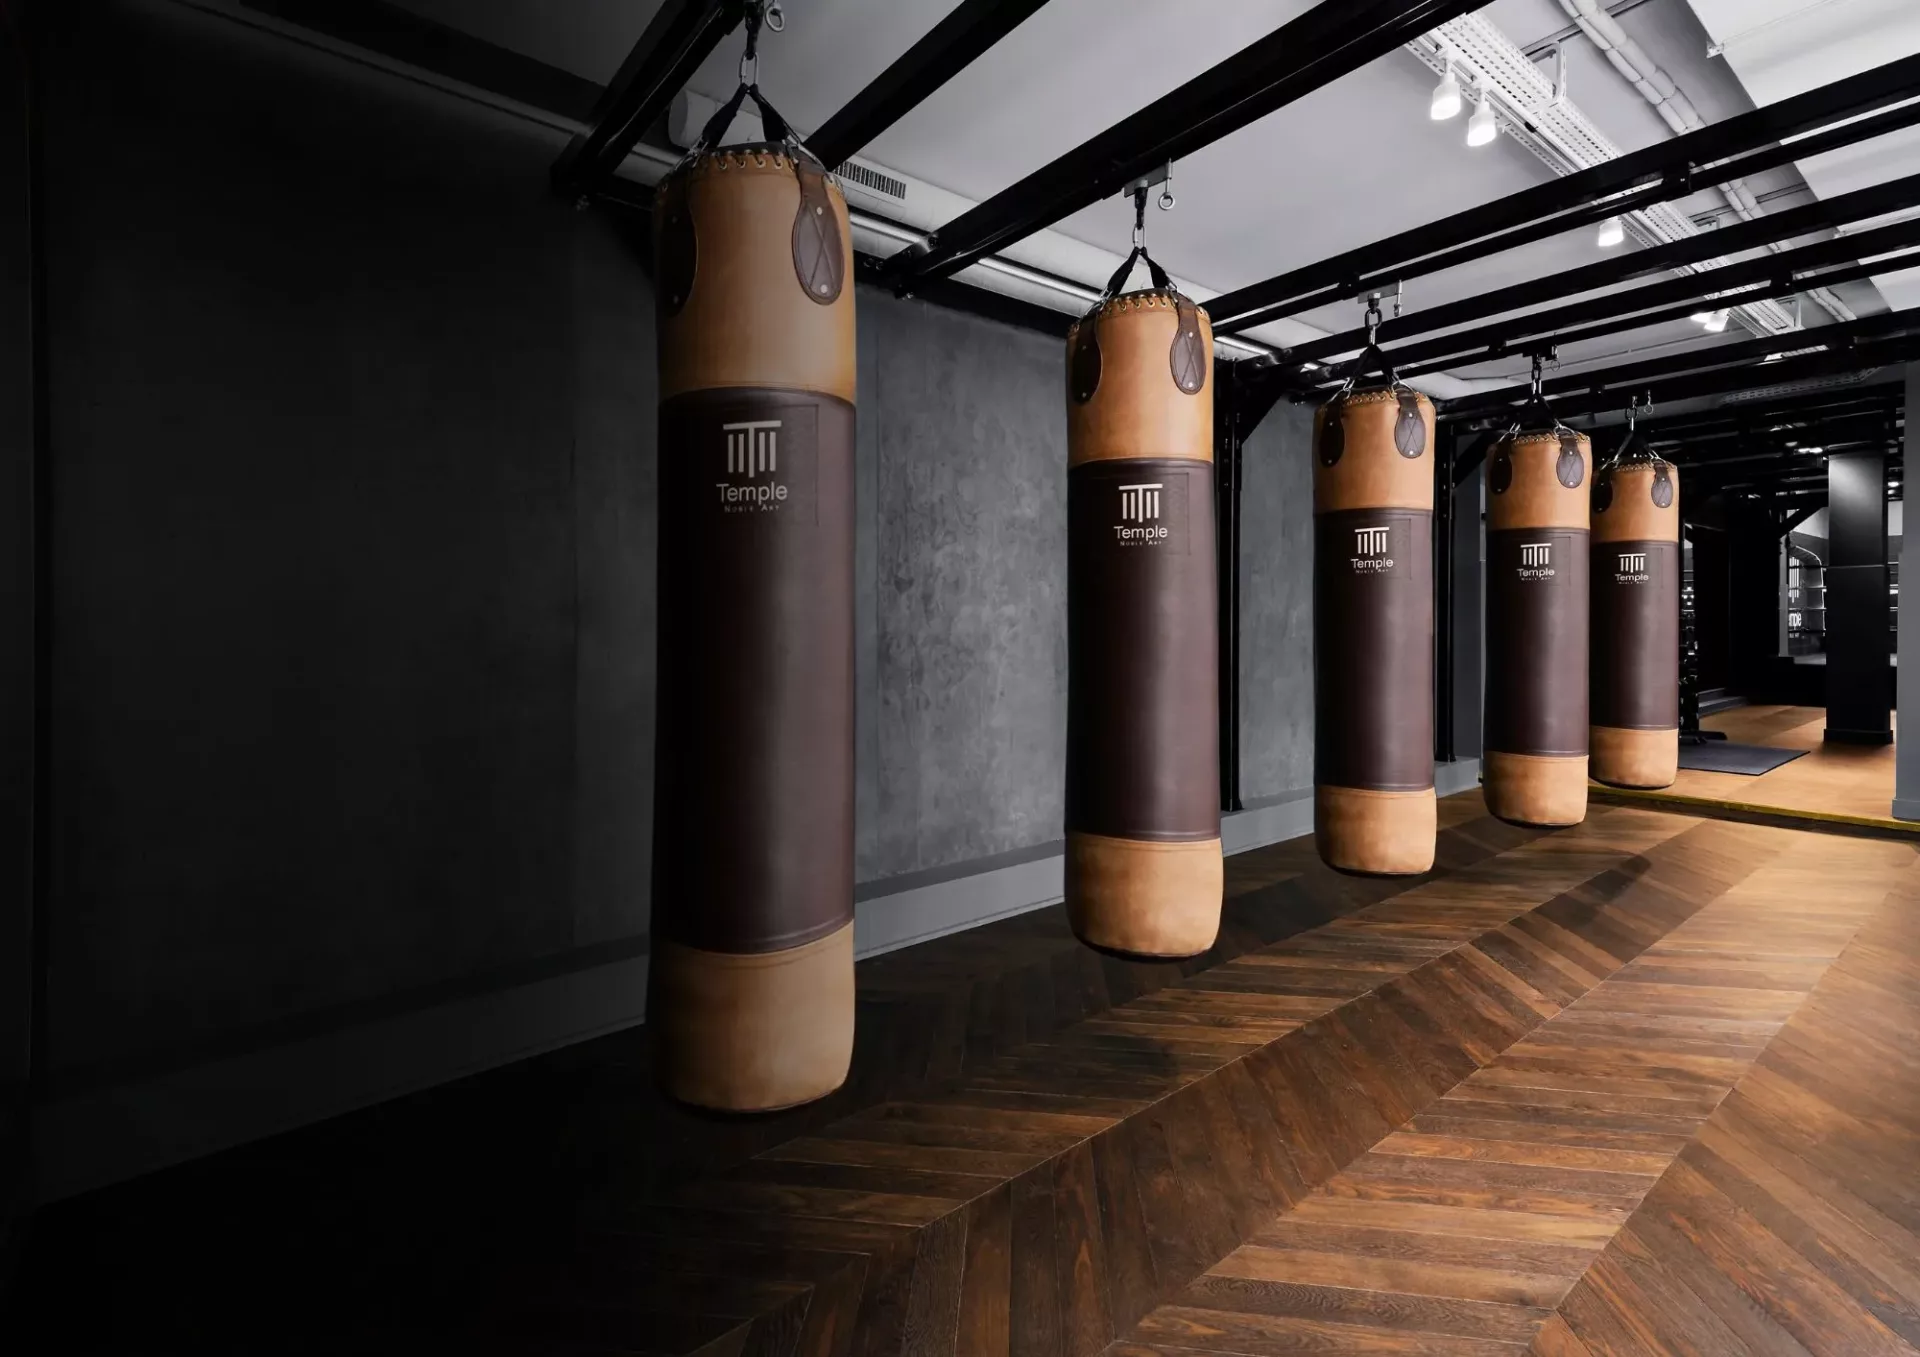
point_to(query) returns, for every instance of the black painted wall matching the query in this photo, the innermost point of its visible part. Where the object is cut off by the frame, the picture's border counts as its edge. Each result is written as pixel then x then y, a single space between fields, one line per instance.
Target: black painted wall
pixel 354 555
pixel 17 614
pixel 352 547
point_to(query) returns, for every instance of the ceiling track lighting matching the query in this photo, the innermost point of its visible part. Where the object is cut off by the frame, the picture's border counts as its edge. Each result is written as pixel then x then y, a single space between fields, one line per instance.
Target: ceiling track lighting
pixel 1446 95
pixel 1612 232
pixel 1481 127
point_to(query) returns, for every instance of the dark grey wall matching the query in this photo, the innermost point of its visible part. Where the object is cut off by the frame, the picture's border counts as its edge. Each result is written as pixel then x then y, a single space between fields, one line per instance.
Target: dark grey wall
pixel 352 543
pixel 354 554
pixel 17 646
pixel 1276 607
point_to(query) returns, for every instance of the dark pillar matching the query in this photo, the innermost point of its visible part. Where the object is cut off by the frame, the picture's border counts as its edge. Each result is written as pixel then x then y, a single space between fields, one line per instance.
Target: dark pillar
pixel 22 428
pixel 1858 697
pixel 1711 607
pixel 1469 562
pixel 1906 758
pixel 1753 601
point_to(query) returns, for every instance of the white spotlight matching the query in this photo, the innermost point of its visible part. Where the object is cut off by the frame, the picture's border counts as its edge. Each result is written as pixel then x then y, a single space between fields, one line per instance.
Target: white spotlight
pixel 1717 321
pixel 1481 127
pixel 1446 97
pixel 1612 232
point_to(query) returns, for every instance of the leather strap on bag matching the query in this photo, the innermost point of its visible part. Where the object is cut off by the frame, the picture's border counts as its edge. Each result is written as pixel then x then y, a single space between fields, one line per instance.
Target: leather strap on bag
pixel 1186 357
pixel 819 251
pixel 679 243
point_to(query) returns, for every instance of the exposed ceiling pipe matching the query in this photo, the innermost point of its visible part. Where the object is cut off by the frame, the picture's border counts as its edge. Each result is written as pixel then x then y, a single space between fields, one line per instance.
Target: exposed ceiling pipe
pixel 1658 88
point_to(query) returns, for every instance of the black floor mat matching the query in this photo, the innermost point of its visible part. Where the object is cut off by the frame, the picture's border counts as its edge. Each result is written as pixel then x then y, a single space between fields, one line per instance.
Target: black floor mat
pixel 1723 756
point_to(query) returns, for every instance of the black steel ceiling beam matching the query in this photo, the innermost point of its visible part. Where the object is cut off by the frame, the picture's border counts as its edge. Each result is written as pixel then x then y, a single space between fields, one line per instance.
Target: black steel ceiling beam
pixel 1501 346
pixel 682 35
pixel 1861 358
pixel 1748 235
pixel 1894 119
pixel 1328 41
pixel 1635 375
pixel 1670 169
pixel 1712 289
pixel 1846 335
pixel 953 44
pixel 1537 332
pixel 1733 421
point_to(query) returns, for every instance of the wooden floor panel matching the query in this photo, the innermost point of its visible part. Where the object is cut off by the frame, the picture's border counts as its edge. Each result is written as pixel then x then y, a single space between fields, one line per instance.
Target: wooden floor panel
pixel 1470 1113
pixel 1144 1143
pixel 1843 783
pixel 1494 1200
pixel 1790 1223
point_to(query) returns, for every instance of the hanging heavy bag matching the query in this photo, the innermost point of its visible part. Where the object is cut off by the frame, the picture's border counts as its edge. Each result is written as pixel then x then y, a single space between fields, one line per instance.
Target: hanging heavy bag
pixel 1143 865
pixel 1635 676
pixel 1373 799
pixel 751 1000
pixel 1535 728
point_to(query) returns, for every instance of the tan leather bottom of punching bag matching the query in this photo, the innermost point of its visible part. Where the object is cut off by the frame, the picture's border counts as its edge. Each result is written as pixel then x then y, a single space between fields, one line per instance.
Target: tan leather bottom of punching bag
pixel 1145 898
pixel 1534 789
pixel 1634 758
pixel 753 1032
pixel 1377 833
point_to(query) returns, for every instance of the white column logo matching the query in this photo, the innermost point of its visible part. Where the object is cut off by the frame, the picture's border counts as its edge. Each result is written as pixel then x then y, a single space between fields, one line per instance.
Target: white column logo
pixel 1369 541
pixel 1138 503
pixel 752 447
pixel 1534 553
pixel 1633 563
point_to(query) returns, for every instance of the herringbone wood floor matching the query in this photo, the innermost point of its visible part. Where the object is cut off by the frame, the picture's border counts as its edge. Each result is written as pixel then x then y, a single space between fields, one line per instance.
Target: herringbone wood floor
pixel 1466 1114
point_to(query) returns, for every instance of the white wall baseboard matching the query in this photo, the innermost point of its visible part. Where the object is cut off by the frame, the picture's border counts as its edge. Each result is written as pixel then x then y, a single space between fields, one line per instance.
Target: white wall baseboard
pixel 100 1136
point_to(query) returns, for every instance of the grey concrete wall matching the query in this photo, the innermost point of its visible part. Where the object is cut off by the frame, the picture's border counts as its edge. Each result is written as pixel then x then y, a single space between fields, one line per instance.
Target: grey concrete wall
pixel 965 421
pixel 1276 607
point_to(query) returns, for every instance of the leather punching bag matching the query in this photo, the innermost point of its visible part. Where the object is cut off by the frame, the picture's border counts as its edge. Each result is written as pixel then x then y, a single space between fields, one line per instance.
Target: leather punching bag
pixel 1143 869
pixel 1535 726
pixel 1635 688
pixel 752 986
pixel 1373 802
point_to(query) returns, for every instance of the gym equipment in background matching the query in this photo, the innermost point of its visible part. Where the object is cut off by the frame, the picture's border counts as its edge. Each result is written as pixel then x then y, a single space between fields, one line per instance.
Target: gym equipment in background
pixel 1634 688
pixel 1373 806
pixel 1144 874
pixel 1535 727
pixel 751 999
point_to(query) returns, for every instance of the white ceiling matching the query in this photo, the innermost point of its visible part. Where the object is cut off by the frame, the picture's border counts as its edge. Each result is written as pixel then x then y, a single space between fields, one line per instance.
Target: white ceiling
pixel 1349 163
pixel 1780 48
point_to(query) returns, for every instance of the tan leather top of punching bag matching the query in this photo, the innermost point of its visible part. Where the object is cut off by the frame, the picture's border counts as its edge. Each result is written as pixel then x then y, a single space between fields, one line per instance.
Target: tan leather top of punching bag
pixel 1537 494
pixel 1630 509
pixel 749 291
pixel 1152 381
pixel 1370 421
